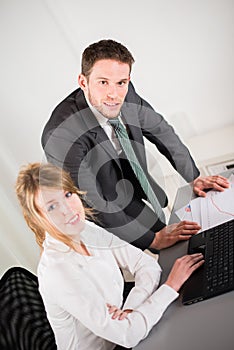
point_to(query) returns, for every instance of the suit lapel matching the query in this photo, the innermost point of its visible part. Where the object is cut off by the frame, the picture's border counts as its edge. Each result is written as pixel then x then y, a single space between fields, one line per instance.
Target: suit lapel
pixel 92 127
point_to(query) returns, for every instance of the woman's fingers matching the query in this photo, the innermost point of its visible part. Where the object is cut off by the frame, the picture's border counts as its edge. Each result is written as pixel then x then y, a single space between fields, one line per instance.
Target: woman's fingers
pixel 116 312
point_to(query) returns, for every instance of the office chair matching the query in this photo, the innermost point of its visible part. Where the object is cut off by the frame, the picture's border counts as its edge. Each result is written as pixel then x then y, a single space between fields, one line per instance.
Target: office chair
pixel 23 321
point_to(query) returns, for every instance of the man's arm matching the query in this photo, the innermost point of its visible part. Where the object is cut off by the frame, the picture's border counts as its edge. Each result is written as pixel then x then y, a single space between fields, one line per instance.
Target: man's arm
pixel 159 132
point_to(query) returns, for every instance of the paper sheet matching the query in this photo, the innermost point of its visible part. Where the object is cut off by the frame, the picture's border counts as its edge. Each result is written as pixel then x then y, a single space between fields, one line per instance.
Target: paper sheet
pixel 214 209
pixel 185 213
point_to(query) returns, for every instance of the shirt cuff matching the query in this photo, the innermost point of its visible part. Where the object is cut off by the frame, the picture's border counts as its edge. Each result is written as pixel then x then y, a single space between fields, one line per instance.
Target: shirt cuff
pixel 167 294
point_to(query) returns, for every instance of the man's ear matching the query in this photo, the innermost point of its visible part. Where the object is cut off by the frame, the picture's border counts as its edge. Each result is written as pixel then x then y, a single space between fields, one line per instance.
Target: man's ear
pixel 82 81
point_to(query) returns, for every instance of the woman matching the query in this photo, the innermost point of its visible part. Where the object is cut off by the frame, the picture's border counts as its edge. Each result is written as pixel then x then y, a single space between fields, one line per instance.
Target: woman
pixel 79 276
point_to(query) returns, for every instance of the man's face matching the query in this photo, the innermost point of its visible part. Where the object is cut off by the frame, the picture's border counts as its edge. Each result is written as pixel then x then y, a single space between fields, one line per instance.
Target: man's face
pixel 106 86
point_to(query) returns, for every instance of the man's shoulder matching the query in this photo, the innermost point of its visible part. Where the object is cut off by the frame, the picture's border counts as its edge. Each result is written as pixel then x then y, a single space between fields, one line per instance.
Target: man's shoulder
pixel 74 102
pixel 132 96
pixel 68 107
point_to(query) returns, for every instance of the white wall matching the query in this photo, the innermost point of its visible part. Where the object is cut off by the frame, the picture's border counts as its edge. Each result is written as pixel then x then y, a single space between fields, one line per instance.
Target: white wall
pixel 184 53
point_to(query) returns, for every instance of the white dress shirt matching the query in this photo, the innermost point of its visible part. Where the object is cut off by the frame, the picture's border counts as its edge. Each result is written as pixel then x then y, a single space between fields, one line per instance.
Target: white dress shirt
pixel 105 125
pixel 76 288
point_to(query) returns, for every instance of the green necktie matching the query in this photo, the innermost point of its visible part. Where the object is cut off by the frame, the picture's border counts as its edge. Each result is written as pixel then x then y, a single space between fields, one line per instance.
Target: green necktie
pixel 124 141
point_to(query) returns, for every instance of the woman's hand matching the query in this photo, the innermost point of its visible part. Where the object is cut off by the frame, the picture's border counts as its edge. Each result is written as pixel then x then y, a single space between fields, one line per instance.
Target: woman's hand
pixel 118 313
pixel 182 270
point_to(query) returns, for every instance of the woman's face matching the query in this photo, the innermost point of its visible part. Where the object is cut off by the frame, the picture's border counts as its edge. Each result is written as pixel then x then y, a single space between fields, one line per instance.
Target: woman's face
pixel 63 209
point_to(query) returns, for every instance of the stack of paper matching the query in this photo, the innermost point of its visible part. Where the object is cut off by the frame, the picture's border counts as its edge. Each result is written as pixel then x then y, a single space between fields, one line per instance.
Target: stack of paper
pixel 212 210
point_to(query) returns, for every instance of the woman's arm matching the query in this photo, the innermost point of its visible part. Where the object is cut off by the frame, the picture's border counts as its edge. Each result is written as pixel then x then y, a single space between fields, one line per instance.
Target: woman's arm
pixel 144 268
pixel 75 291
pixel 80 297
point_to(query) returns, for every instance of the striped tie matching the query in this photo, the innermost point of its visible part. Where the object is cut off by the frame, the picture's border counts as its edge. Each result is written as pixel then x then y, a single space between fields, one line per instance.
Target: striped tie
pixel 124 141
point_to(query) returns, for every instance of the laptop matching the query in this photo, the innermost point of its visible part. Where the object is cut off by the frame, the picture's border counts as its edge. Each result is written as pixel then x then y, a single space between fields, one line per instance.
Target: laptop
pixel 216 275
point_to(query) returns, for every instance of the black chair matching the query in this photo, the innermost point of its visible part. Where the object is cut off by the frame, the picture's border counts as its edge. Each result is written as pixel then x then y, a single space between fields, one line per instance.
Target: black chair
pixel 23 321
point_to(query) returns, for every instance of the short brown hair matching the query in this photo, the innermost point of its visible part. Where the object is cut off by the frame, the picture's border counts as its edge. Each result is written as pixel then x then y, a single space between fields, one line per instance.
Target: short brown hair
pixel 104 49
pixel 30 179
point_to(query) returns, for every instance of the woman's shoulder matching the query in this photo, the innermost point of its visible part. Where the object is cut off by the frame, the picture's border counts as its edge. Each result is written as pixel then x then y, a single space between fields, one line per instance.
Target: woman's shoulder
pixel 94 236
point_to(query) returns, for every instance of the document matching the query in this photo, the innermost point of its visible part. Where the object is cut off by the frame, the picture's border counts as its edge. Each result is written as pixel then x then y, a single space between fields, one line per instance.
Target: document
pixel 212 210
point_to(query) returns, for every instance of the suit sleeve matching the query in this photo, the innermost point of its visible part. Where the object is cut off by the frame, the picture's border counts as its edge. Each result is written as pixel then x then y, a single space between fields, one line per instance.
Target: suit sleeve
pixel 156 129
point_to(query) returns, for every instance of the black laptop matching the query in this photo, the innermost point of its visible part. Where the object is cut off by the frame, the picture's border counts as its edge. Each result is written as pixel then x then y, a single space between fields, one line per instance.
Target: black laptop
pixel 216 275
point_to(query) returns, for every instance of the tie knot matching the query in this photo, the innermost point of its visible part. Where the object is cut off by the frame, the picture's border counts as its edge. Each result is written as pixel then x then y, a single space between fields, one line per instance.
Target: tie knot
pixel 114 122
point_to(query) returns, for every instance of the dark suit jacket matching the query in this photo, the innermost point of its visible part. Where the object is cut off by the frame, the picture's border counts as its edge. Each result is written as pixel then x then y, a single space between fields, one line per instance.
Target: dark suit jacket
pixel 73 140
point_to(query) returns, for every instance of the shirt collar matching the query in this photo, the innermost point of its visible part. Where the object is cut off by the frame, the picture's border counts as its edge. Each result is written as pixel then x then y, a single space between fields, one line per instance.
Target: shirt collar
pixel 93 236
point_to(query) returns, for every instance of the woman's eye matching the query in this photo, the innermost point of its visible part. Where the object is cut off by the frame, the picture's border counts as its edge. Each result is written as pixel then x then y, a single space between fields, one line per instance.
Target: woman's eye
pixel 52 207
pixel 103 82
pixel 68 194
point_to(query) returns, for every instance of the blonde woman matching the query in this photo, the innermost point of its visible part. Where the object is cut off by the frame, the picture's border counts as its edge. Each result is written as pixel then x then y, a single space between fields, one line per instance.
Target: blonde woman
pixel 79 276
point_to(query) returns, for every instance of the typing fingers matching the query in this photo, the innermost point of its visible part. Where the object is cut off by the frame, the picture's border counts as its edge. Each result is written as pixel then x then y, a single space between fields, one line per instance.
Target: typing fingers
pixel 196 260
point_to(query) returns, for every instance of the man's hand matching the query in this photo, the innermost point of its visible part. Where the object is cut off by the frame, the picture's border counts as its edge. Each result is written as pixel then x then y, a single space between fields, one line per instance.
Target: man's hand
pixel 216 182
pixel 171 234
pixel 117 313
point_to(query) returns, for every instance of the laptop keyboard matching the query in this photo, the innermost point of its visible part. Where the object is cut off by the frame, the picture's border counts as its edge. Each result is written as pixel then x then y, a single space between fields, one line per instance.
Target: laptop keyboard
pixel 219 259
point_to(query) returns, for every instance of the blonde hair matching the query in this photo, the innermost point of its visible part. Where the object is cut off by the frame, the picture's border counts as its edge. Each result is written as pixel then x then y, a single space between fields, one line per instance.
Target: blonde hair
pixel 33 177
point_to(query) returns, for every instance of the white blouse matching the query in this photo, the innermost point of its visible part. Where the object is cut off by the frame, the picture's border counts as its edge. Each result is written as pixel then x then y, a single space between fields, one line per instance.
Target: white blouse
pixel 76 288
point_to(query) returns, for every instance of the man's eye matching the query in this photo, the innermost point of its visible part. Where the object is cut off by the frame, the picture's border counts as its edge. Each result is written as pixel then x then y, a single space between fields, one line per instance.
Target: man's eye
pixel 103 82
pixel 52 207
pixel 68 194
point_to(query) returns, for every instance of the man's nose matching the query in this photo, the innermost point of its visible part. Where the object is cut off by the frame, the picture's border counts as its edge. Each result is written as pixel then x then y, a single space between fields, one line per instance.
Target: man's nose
pixel 112 91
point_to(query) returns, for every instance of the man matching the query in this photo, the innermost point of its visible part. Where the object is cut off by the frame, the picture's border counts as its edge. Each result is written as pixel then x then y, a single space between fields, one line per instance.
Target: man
pixel 80 138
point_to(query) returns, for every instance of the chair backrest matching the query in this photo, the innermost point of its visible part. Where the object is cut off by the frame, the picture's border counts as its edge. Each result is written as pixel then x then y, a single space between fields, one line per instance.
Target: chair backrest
pixel 23 321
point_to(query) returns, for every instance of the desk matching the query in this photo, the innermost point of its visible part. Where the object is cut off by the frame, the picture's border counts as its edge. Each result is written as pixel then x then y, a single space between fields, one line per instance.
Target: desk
pixel 207 325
